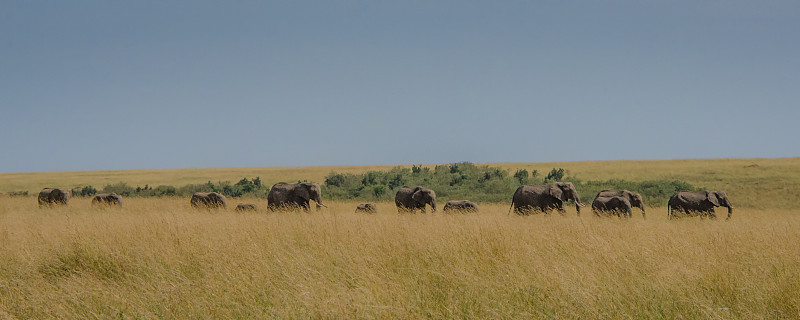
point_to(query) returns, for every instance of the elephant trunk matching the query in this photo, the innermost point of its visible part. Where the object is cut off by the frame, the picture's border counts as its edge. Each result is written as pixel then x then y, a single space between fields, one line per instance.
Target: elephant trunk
pixel 433 205
pixel 578 203
pixel 318 200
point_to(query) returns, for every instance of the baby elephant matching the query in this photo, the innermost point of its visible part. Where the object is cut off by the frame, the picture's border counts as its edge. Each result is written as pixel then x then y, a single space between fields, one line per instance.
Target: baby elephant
pixel 612 206
pixel 460 206
pixel 109 199
pixel 242 207
pixel 367 208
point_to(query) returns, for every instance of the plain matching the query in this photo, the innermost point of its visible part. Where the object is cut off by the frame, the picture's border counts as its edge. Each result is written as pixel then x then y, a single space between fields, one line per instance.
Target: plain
pixel 159 258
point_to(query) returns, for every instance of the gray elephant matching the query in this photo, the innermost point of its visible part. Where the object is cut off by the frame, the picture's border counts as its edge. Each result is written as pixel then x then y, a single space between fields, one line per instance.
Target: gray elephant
pixel 367 208
pixel 634 198
pixel 208 200
pixel 530 198
pixel 54 196
pixel 618 206
pixel 460 206
pixel 109 199
pixel 701 203
pixel 410 199
pixel 246 207
pixel 286 196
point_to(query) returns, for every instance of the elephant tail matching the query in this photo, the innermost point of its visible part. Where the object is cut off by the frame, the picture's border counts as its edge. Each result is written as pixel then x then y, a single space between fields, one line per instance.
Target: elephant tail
pixel 509 209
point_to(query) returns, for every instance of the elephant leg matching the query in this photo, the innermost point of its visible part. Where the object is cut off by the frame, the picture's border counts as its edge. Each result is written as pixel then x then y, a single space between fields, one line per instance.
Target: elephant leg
pixel 560 208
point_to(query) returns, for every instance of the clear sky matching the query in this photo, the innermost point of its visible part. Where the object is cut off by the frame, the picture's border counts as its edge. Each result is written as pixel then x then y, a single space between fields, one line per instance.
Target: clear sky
pixel 90 85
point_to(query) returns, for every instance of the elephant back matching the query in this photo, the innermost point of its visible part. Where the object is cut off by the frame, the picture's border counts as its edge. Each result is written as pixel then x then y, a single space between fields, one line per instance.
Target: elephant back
pixel 460 206
pixel 51 196
pixel 108 199
pixel 208 200
pixel 278 192
pixel 367 208
pixel 246 207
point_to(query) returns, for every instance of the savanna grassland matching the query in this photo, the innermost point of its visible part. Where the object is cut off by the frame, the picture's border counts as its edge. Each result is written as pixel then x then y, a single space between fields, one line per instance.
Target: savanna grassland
pixel 159 258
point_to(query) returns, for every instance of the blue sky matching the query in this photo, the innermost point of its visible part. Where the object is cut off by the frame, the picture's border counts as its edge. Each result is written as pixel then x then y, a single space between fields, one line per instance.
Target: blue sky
pixel 90 85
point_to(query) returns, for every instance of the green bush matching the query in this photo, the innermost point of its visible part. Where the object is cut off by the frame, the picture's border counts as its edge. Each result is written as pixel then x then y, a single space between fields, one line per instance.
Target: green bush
pixel 244 187
pixel 450 181
pixel 120 188
pixel 555 175
pixel 18 193
pixel 479 183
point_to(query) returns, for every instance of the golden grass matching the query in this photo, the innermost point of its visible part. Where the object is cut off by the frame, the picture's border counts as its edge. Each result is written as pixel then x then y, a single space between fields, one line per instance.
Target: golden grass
pixel 775 183
pixel 158 258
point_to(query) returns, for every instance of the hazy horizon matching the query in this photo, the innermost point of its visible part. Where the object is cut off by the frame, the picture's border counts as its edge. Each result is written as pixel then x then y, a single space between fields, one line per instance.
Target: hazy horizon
pixel 94 85
pixel 402 164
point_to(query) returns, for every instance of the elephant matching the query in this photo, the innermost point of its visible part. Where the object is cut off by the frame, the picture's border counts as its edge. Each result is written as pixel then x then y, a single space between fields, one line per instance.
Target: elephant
pixel 54 196
pixel 530 198
pixel 693 203
pixel 367 208
pixel 109 199
pixel 285 196
pixel 246 207
pixel 208 200
pixel 616 205
pixel 410 199
pixel 460 206
pixel 634 198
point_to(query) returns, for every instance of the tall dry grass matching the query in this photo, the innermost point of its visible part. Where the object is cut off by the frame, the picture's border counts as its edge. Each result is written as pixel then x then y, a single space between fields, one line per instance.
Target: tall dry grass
pixel 158 258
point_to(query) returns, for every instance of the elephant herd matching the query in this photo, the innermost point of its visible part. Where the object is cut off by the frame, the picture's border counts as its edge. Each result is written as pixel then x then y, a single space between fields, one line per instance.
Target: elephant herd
pixel 56 196
pixel 526 199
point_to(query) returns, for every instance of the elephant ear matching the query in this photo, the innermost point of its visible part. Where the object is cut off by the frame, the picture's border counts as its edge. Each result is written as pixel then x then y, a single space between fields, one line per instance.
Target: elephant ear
pixel 555 191
pixel 418 196
pixel 303 190
pixel 713 198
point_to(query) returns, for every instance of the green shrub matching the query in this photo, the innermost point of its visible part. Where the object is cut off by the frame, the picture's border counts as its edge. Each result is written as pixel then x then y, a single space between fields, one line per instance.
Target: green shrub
pixel 479 183
pixel 555 175
pixel 120 188
pixel 521 176
pixel 85 191
pixel 18 193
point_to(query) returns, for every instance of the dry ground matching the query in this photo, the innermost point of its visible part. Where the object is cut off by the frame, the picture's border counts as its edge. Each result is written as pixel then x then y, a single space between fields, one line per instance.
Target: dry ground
pixel 158 258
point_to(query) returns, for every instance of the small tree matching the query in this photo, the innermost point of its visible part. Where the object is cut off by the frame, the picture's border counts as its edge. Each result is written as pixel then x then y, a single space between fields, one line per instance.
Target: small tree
pixel 84 191
pixel 555 175
pixel 335 179
pixel 379 191
pixel 521 176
